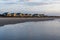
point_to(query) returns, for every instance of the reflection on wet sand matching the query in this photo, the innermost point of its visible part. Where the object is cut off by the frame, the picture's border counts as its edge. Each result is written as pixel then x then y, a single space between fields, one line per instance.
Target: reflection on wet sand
pixel 43 30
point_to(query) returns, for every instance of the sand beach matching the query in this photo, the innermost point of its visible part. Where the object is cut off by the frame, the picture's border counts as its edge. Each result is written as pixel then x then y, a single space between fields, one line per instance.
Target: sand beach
pixel 6 21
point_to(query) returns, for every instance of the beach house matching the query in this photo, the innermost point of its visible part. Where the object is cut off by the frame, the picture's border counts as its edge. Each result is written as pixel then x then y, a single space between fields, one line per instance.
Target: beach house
pixel 38 15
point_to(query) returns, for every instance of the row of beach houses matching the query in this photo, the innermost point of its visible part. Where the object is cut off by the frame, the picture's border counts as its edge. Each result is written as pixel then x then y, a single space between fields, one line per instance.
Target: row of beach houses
pixel 21 15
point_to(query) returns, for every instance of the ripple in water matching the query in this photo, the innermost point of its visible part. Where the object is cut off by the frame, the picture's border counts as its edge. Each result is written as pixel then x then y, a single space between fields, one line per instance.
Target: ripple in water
pixel 43 30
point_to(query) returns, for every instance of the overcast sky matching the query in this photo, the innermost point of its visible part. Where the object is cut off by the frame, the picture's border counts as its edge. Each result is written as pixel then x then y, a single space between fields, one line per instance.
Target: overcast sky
pixel 50 7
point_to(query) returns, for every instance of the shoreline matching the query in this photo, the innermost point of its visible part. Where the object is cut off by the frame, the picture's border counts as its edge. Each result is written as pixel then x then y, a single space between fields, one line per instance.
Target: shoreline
pixel 6 21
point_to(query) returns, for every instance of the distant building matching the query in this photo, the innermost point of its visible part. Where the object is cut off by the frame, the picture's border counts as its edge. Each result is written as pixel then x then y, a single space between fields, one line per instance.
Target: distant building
pixel 9 14
pixel 18 14
pixel 41 15
pixel 38 15
pixel 22 15
pixel 13 14
pixel 30 15
pixel 26 15
pixel 5 14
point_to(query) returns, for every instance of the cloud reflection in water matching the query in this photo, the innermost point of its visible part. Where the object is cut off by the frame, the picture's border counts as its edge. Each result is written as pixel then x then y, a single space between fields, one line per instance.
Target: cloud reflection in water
pixel 43 30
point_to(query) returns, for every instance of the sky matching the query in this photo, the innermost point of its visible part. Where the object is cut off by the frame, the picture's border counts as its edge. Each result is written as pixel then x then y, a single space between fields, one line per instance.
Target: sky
pixel 49 7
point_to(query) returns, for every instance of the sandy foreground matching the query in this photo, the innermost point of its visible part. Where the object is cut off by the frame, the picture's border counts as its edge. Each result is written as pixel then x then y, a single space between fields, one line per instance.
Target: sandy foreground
pixel 5 21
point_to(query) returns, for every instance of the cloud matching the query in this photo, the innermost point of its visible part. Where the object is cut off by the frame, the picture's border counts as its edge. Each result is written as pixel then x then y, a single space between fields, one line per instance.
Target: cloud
pixel 8 1
pixel 30 6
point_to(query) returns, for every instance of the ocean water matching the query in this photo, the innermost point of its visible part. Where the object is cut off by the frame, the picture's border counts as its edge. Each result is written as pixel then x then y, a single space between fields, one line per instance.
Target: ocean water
pixel 41 30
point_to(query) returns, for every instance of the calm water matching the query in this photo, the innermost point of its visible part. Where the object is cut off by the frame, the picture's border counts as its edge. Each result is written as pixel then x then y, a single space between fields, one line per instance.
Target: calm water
pixel 42 30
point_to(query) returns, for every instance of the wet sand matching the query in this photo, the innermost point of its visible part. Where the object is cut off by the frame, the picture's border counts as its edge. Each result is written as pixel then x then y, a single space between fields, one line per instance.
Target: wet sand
pixel 6 21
